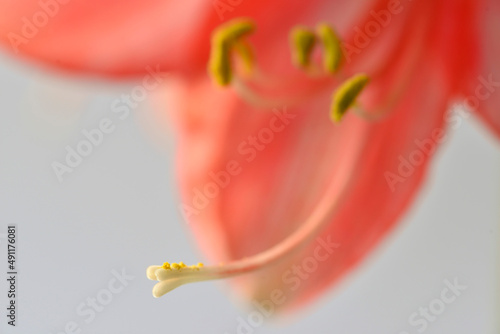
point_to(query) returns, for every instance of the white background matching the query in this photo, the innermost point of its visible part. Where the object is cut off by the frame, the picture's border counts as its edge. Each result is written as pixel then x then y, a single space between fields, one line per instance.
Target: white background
pixel 117 210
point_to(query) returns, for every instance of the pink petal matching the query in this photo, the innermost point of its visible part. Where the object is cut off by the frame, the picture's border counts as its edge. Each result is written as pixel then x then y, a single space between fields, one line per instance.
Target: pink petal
pixel 273 191
pixel 122 38
pixel 111 37
pixel 482 90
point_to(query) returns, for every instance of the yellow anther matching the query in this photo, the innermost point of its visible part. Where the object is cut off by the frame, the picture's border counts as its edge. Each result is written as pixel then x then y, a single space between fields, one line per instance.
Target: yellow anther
pixel 200 264
pixel 302 41
pixel 219 65
pixel 182 264
pixel 166 265
pixel 224 39
pixel 233 30
pixel 175 266
pixel 332 52
pixel 345 96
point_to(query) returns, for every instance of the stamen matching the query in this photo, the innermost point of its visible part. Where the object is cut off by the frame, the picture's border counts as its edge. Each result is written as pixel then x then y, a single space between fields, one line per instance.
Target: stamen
pixel 303 41
pixel 257 90
pixel 224 39
pixel 332 53
pixel 345 96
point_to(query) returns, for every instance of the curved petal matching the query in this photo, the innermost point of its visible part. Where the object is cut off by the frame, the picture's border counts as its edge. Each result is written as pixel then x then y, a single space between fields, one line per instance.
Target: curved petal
pixel 395 160
pixel 251 177
pixel 246 192
pixel 122 38
pixel 111 37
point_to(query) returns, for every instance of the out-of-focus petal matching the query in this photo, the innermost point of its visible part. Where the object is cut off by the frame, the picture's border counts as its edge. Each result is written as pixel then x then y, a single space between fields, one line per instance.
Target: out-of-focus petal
pixel 122 38
pixel 111 37
pixel 278 177
pixel 482 90
pixel 276 185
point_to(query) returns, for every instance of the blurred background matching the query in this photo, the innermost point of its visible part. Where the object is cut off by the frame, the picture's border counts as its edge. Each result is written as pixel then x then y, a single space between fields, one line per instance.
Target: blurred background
pixel 84 243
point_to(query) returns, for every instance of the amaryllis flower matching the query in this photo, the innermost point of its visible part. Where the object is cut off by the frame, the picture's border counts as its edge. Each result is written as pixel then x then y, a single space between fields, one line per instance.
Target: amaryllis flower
pixel 305 128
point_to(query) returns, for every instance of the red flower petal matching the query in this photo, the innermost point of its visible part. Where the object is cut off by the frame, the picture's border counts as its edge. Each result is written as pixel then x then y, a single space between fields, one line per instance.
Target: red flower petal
pixel 111 37
pixel 253 177
pixel 122 38
pixel 279 177
pixel 276 189
pixel 483 85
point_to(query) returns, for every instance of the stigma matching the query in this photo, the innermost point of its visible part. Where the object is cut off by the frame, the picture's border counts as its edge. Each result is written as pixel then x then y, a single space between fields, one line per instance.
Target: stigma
pixel 171 276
